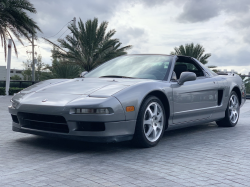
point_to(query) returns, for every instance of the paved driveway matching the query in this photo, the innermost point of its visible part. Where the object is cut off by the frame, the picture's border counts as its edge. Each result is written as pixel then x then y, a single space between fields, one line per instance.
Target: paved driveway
pixel 203 155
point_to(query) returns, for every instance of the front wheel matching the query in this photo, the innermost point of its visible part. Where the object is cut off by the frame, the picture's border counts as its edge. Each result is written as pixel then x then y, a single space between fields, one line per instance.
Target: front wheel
pixel 232 112
pixel 150 124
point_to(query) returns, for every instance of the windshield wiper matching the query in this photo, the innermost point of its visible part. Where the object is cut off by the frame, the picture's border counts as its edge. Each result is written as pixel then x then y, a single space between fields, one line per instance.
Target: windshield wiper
pixel 117 76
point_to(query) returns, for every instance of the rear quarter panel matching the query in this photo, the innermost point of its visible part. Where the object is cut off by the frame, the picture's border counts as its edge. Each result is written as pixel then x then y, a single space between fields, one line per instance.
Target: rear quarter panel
pixel 235 80
pixel 230 82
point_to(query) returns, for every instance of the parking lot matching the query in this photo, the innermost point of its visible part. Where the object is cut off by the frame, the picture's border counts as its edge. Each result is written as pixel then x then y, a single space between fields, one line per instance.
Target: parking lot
pixel 203 155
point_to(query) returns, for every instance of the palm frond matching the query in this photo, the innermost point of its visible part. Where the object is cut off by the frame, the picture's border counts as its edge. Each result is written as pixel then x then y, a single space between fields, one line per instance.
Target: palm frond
pixel 197 51
pixel 90 45
pixel 15 20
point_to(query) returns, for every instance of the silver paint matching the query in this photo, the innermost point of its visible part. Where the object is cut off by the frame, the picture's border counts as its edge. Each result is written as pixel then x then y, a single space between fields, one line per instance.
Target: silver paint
pixel 191 103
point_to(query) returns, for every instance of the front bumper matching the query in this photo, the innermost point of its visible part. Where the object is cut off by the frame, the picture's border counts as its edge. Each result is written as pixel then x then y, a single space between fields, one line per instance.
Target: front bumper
pixel 102 139
pixel 114 132
pixel 116 126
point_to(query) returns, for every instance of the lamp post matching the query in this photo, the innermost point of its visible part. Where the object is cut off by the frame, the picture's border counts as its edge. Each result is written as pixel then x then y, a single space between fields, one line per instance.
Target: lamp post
pixel 7 87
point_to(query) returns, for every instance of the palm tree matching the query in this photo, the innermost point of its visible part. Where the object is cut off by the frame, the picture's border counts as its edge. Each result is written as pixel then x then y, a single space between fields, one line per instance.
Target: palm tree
pixel 61 70
pixel 196 51
pixel 14 20
pixel 90 45
pixel 65 70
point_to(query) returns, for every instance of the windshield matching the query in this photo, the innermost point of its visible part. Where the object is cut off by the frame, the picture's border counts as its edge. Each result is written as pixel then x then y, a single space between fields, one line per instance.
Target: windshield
pixel 134 66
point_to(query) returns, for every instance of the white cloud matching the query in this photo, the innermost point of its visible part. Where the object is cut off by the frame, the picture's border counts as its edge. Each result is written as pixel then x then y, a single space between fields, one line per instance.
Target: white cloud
pixel 222 27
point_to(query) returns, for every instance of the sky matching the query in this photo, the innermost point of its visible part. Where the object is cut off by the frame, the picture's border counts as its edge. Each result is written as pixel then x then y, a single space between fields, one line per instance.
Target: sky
pixel 151 26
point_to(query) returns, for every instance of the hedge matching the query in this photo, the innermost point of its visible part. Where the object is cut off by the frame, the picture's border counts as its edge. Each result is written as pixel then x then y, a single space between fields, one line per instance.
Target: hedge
pixel 14 84
pixel 11 90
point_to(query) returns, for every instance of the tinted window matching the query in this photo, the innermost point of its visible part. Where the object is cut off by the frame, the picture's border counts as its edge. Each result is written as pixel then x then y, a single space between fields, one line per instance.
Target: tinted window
pixel 189 66
pixel 207 69
pixel 210 71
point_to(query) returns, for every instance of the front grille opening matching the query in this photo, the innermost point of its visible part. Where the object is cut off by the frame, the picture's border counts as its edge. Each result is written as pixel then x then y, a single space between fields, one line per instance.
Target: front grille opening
pixel 43 122
pixel 14 118
pixel 90 126
pixel 46 126
pixel 42 117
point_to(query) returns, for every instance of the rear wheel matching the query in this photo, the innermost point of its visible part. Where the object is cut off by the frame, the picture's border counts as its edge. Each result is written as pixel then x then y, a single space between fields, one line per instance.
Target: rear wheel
pixel 232 112
pixel 150 124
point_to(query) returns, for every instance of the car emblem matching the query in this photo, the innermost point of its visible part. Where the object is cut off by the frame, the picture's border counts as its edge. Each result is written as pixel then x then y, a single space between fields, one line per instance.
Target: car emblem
pixel 44 100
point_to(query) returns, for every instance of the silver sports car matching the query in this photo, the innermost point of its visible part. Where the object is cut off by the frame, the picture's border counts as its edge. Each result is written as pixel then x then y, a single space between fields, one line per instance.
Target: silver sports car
pixel 132 97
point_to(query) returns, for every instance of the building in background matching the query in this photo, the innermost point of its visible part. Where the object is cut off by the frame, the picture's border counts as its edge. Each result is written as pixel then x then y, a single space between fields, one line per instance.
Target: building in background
pixel 226 71
pixel 3 72
pixel 233 71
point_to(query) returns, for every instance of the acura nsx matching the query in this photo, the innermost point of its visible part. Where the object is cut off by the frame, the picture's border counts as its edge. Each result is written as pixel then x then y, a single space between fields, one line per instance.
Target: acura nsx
pixel 131 97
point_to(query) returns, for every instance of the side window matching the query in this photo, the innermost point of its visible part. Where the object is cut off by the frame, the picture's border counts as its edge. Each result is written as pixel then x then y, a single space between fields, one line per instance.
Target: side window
pixel 190 67
pixel 185 64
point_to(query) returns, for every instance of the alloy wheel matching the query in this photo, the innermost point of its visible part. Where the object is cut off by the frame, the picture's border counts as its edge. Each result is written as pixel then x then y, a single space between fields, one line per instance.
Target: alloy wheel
pixel 233 109
pixel 153 121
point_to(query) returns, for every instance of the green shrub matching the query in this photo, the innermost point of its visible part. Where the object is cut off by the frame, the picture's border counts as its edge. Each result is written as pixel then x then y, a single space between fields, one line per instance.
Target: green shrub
pixel 25 84
pixel 11 91
pixel 14 90
pixel 14 84
pixel 15 77
pixel 2 91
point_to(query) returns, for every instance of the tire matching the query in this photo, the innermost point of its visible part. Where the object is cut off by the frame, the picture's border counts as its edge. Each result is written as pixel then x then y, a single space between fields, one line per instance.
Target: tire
pixel 232 112
pixel 150 126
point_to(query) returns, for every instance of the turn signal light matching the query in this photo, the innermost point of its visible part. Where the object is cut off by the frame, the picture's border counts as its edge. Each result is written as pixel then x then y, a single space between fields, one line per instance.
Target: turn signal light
pixel 130 108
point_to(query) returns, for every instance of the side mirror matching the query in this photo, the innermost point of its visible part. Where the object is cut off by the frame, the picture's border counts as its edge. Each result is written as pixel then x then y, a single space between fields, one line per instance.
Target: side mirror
pixel 186 76
pixel 83 73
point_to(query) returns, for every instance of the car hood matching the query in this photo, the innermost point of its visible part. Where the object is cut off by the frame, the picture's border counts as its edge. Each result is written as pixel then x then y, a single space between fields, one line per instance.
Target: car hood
pixel 97 87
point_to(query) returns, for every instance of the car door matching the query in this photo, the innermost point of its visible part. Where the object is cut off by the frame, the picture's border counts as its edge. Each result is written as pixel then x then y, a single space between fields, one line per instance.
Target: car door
pixel 194 100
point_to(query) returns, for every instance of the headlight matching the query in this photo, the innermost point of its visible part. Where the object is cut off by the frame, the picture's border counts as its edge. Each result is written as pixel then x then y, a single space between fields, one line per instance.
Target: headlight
pixel 89 111
pixel 14 103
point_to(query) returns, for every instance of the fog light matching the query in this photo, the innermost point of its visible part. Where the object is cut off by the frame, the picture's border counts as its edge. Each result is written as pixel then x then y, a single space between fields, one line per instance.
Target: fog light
pixel 89 111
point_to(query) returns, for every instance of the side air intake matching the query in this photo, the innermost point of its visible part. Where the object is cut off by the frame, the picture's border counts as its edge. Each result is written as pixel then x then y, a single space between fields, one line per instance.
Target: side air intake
pixel 220 95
